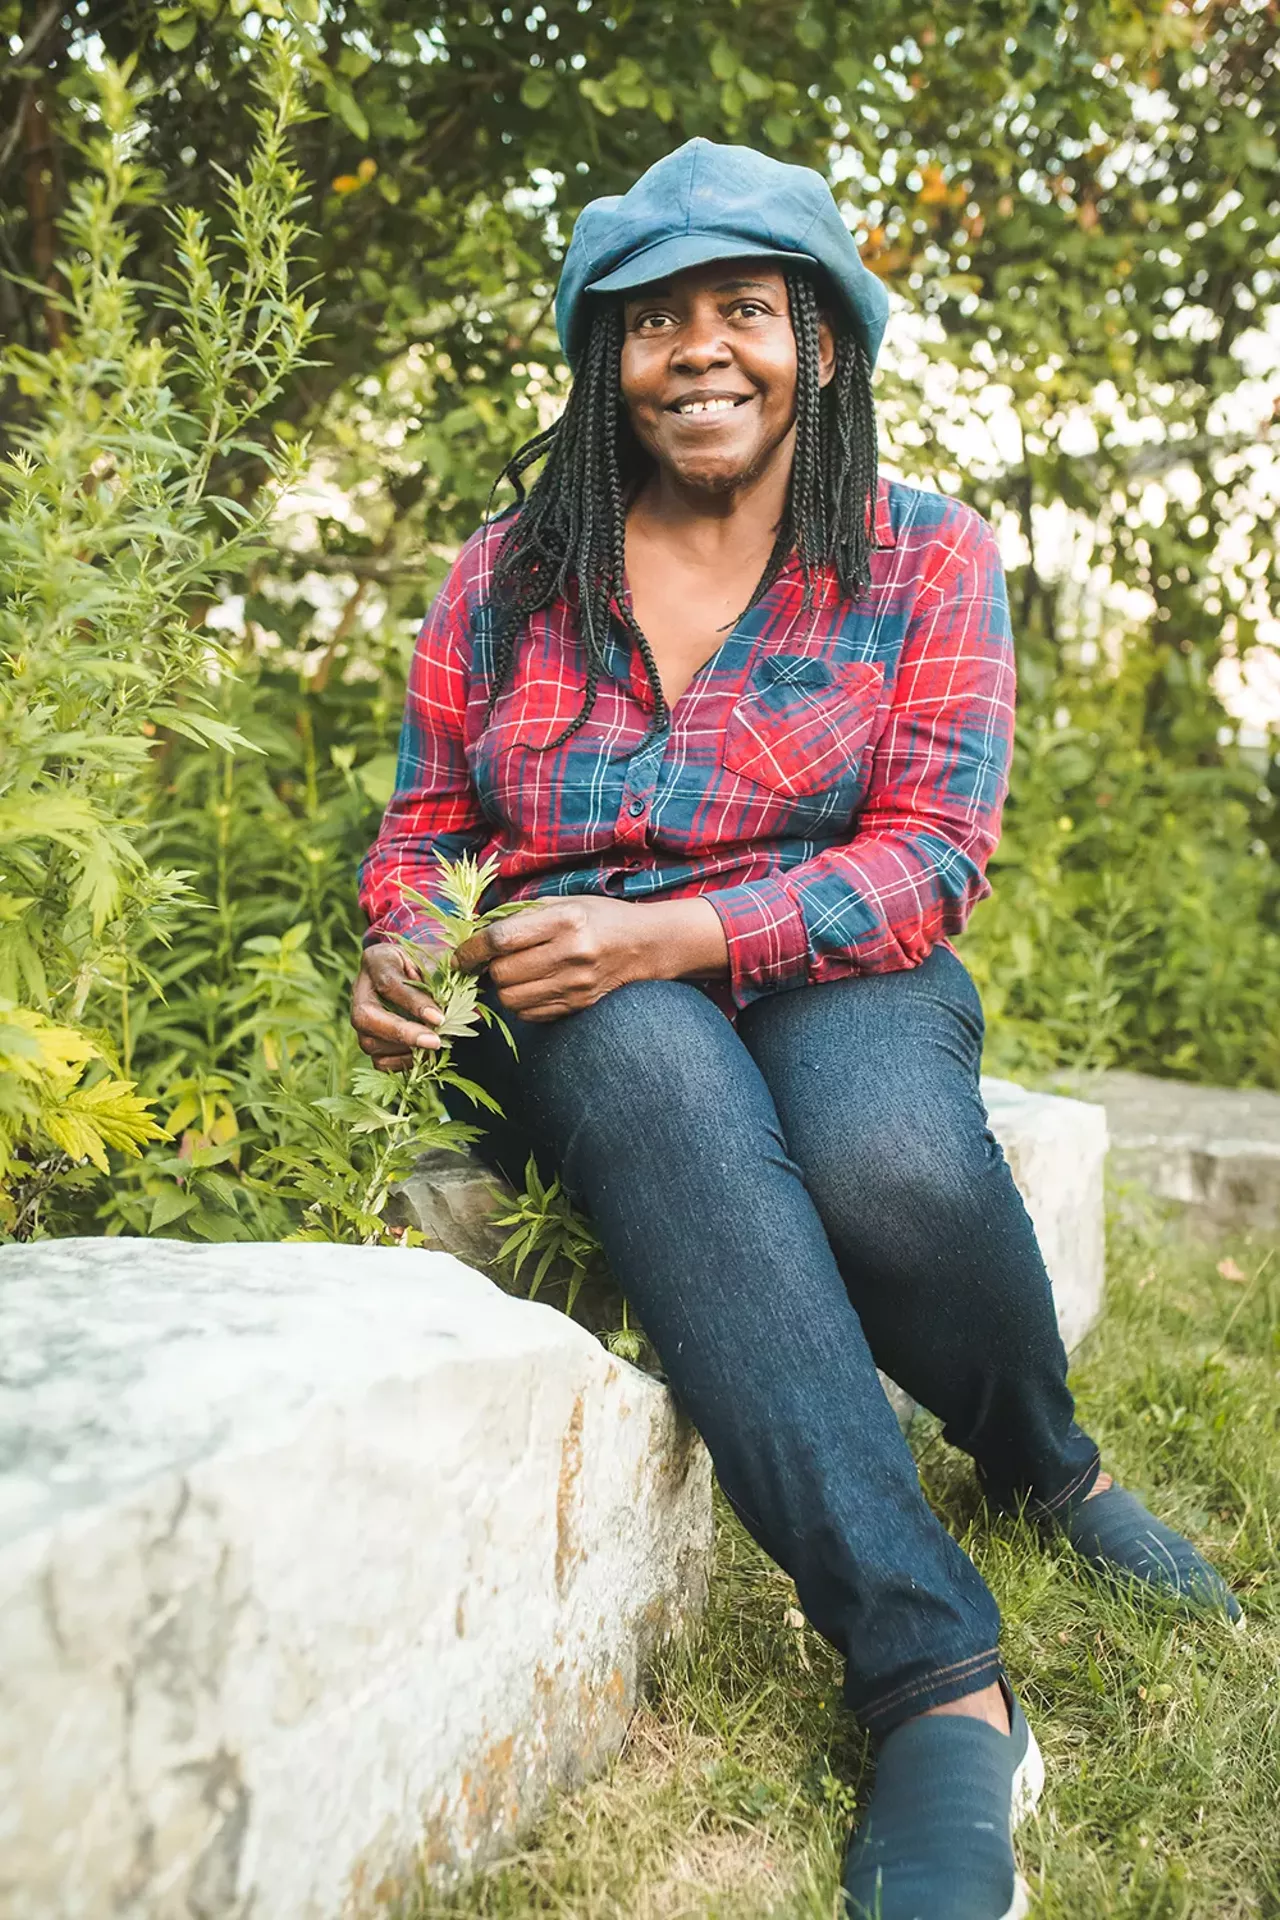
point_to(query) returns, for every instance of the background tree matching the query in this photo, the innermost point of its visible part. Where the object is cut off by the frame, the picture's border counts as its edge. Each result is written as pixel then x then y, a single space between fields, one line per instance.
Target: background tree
pixel 1076 207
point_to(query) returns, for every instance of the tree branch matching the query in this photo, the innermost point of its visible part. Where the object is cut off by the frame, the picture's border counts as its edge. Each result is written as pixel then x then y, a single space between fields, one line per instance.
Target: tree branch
pixel 31 46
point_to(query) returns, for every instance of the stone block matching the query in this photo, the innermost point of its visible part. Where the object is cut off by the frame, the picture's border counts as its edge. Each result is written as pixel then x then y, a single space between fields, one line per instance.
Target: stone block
pixel 318 1565
pixel 1057 1150
pixel 1211 1152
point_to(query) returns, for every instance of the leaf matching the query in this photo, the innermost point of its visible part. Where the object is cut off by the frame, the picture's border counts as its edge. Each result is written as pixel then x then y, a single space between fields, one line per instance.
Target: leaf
pixel 457 996
pixel 470 1088
pixel 204 729
pixel 344 104
pixel 48 816
pixel 169 1205
pixel 536 89
pixel 362 1116
pixel 33 1047
pixel 378 777
pixel 595 95
pixel 177 34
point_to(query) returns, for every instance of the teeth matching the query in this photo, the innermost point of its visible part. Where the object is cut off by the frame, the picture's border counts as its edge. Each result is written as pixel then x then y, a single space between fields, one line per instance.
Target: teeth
pixel 705 406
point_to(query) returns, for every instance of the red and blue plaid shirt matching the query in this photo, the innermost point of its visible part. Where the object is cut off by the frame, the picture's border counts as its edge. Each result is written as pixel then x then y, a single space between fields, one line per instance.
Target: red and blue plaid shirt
pixel 831 780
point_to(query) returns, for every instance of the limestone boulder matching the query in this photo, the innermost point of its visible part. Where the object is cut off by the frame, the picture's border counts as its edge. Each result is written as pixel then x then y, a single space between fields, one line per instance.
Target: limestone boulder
pixel 1057 1152
pixel 1211 1153
pixel 1056 1148
pixel 318 1565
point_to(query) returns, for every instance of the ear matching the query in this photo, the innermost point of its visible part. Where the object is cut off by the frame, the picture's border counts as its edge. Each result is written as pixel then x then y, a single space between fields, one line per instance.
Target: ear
pixel 826 350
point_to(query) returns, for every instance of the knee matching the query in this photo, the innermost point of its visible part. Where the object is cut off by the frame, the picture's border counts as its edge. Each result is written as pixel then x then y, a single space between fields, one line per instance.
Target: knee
pixel 902 1172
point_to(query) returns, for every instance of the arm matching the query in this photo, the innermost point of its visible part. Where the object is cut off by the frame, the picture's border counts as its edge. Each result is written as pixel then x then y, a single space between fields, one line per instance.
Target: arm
pixel 914 869
pixel 433 813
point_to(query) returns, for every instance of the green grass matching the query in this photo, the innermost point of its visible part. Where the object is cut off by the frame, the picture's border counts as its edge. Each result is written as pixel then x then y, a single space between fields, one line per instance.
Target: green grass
pixel 733 1797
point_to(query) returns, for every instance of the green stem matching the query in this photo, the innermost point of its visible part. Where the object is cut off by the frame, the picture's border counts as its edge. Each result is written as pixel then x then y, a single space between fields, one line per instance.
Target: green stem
pixel 378 1185
pixel 224 851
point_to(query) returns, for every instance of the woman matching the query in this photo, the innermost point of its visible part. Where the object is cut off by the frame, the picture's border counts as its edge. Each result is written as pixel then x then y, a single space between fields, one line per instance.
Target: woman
pixel 738 714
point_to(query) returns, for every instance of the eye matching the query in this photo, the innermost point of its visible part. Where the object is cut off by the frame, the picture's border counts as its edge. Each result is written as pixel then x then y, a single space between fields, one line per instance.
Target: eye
pixel 750 309
pixel 651 322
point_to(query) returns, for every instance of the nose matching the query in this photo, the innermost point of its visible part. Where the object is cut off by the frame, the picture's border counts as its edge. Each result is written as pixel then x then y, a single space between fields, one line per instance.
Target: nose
pixel 701 343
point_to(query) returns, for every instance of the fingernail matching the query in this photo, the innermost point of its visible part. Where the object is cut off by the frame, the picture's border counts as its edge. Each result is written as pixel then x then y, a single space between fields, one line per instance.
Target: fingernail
pixel 426 1040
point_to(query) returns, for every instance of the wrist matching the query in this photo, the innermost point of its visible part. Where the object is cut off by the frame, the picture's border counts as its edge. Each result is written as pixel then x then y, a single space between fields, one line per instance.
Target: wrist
pixel 684 940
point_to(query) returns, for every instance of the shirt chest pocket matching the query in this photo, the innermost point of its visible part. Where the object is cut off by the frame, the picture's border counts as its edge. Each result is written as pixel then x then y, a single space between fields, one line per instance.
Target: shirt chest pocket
pixel 802 726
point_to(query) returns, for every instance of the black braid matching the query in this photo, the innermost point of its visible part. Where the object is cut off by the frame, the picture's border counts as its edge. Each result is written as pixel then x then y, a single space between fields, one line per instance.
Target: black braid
pixel 568 532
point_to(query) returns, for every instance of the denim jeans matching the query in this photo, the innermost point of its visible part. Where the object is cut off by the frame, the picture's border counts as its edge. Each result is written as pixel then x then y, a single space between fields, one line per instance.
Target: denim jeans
pixel 788 1204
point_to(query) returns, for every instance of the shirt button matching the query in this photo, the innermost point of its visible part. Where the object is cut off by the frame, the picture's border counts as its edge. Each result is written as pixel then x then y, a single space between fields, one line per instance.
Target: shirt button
pixel 635 809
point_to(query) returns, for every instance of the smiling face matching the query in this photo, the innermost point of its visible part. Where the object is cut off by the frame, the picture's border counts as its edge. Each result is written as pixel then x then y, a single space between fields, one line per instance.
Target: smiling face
pixel 709 373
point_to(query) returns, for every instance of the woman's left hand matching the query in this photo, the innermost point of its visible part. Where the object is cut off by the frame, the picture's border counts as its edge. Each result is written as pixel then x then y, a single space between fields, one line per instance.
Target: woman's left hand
pixel 547 961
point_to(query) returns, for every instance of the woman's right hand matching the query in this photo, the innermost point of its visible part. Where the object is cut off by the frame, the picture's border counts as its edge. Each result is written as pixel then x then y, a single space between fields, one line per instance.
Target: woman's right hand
pixel 386 982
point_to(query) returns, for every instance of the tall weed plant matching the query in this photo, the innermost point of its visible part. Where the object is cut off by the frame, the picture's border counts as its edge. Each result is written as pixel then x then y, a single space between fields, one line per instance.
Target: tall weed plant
pixel 1135 913
pixel 117 530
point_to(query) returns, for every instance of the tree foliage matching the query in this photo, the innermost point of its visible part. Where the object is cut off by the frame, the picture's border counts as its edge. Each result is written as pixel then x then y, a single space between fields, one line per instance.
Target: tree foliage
pixel 1075 204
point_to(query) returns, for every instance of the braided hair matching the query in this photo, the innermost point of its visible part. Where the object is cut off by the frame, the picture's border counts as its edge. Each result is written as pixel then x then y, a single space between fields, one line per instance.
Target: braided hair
pixel 567 534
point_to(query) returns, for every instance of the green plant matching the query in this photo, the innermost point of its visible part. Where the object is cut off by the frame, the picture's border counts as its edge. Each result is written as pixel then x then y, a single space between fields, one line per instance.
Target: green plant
pixel 287 1131
pixel 345 1193
pixel 547 1228
pixel 1135 918
pixel 115 532
pixel 55 1119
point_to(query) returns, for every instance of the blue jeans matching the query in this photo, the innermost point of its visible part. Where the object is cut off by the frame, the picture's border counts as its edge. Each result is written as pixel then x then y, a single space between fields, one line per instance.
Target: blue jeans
pixel 787 1205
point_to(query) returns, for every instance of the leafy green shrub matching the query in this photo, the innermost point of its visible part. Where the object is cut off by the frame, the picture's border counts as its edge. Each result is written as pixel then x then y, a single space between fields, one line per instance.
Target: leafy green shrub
pixel 115 534
pixel 1135 919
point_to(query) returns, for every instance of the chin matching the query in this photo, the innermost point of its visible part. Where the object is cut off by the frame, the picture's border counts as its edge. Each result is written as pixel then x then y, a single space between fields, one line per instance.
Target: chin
pixel 715 480
pixel 716 474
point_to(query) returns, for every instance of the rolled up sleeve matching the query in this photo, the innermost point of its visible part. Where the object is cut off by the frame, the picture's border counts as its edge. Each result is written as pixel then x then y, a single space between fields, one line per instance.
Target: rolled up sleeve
pixel 914 869
pixel 434 813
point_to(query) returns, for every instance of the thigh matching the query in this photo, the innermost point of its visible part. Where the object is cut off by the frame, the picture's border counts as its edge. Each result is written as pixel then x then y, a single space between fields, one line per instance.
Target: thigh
pixel 652 1074
pixel 876 1082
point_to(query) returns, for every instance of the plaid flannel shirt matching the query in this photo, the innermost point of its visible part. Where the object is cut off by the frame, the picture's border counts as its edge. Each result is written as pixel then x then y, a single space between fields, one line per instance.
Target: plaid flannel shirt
pixel 831 780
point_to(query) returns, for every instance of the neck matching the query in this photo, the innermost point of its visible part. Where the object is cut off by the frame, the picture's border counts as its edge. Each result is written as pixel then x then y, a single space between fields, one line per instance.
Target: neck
pixel 708 521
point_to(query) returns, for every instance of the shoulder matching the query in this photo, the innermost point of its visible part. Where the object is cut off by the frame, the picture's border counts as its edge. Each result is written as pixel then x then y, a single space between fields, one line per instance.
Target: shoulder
pixel 935 534
pixel 468 580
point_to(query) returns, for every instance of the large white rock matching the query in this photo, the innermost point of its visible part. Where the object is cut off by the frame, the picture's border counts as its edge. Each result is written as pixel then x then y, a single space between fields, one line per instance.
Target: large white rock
pixel 1057 1152
pixel 316 1564
pixel 1213 1152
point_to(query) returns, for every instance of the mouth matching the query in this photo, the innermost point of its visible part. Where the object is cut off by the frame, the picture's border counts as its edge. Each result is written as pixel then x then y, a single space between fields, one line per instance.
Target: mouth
pixel 708 406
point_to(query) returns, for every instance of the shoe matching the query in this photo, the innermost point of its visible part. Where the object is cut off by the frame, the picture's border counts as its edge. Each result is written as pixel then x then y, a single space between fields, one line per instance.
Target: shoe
pixel 1115 1533
pixel 936 1841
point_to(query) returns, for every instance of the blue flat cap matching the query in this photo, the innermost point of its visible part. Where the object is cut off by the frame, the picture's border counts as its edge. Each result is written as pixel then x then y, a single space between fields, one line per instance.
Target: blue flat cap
pixel 706 202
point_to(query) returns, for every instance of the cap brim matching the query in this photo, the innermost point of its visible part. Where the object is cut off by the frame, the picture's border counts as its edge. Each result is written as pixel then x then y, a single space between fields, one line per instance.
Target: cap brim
pixel 684 250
